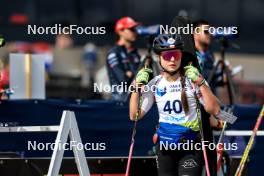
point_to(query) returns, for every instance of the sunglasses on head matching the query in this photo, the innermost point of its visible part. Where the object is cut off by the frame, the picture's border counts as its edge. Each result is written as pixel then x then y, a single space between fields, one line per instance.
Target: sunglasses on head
pixel 167 55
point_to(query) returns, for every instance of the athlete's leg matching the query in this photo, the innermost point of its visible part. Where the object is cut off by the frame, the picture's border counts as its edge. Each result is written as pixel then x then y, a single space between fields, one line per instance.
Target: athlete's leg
pixel 167 163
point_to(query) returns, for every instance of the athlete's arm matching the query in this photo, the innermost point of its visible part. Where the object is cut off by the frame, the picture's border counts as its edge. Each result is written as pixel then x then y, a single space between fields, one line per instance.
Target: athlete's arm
pixel 142 79
pixel 210 102
pixel 133 106
pixel 147 102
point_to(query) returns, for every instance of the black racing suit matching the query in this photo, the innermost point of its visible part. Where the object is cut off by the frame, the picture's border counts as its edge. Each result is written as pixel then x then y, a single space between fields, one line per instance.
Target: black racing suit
pixel 179 162
pixel 118 62
pixel 188 162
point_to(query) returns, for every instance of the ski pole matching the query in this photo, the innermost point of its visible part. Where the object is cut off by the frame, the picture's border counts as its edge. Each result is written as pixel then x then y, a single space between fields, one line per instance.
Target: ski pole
pixel 249 145
pixel 201 132
pixel 133 135
pixel 202 139
pixel 220 149
pixel 134 131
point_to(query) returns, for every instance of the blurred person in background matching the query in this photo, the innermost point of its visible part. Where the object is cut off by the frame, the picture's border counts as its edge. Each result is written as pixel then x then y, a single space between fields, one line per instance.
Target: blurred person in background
pixel 123 59
pixel 63 41
pixel 89 59
pixel 4 70
pixel 4 75
pixel 202 42
pixel 1 68
pixel 4 79
pixel 206 59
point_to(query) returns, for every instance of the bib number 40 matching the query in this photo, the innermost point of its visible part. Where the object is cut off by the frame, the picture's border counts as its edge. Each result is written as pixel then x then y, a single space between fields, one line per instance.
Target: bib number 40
pixel 175 106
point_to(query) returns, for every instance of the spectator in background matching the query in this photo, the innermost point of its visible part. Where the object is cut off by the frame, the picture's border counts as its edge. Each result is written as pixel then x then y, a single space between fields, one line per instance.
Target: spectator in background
pixel 89 60
pixel 205 56
pixel 63 41
pixel 202 42
pixel 4 70
pixel 123 59
pixel 4 79
pixel 1 68
pixel 4 76
pixel 206 60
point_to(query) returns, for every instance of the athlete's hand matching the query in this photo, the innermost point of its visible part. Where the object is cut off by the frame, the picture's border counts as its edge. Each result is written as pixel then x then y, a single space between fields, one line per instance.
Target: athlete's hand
pixel 194 75
pixel 2 41
pixel 216 123
pixel 143 76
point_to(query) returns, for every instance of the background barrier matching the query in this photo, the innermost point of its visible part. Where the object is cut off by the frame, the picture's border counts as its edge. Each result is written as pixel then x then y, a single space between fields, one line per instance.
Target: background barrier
pixel 105 122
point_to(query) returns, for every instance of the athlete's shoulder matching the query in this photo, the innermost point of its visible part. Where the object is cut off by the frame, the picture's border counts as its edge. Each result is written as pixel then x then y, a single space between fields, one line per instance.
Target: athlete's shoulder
pixel 155 80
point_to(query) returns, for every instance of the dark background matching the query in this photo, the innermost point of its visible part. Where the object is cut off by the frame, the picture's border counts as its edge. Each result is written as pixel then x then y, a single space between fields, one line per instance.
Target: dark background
pixel 247 15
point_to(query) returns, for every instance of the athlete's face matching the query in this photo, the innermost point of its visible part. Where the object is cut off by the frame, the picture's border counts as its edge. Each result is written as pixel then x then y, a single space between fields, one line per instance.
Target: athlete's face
pixel 171 60
pixel 128 34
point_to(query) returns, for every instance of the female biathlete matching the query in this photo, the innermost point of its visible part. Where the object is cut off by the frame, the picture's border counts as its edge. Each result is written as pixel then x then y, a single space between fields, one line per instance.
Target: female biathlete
pixel 177 93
